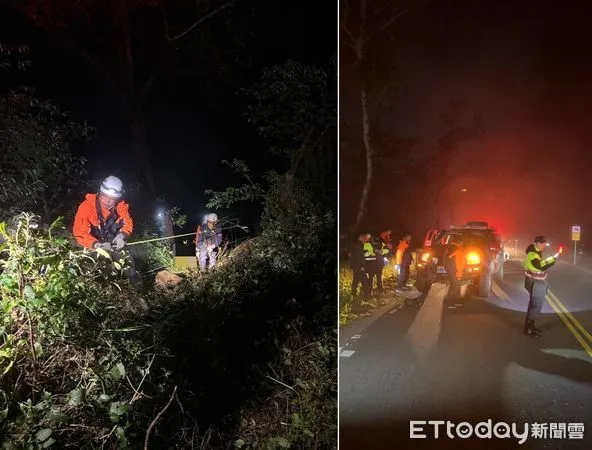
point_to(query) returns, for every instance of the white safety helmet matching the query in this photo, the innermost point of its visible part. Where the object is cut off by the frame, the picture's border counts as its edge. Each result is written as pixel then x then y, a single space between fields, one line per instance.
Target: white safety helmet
pixel 112 186
pixel 212 217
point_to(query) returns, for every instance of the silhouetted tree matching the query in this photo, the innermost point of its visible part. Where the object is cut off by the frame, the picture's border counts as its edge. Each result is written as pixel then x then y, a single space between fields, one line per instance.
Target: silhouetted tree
pixel 361 24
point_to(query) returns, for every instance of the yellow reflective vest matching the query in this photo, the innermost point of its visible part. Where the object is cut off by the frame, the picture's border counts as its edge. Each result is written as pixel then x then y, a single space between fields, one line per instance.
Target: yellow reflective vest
pixel 369 253
pixel 535 266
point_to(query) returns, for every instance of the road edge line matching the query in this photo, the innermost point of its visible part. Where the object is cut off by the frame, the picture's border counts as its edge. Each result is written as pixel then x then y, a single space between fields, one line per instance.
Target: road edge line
pixel 576 266
pixel 361 324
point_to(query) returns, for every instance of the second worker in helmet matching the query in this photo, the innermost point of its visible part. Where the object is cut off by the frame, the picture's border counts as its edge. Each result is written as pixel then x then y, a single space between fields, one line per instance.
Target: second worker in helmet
pixel 207 241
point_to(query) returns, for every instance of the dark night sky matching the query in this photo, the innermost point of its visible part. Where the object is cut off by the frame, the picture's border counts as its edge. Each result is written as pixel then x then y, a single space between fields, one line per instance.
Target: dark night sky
pixel 187 137
pixel 524 67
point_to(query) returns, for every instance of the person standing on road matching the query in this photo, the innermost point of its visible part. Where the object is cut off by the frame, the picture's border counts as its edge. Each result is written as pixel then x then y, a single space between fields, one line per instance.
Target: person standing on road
pixel 357 264
pixel 535 281
pixel 371 258
pixel 388 248
pixel 381 252
pixel 455 265
pixel 403 260
pixel 386 237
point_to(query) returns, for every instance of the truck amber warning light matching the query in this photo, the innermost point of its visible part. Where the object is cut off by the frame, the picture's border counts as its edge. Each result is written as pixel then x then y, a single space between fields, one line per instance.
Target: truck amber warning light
pixel 473 258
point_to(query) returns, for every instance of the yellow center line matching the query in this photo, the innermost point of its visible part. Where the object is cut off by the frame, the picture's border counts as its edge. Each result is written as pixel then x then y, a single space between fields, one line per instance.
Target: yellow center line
pixel 575 321
pixel 569 326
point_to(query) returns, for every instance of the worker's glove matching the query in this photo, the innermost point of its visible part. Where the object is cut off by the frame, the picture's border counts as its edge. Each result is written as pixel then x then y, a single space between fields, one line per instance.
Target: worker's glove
pixel 119 241
pixel 556 255
pixel 397 269
pixel 104 246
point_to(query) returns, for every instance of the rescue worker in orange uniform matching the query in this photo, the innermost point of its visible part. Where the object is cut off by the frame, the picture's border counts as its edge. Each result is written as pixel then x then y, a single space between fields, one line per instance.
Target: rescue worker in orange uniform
pixel 103 220
pixel 403 260
pixel 456 258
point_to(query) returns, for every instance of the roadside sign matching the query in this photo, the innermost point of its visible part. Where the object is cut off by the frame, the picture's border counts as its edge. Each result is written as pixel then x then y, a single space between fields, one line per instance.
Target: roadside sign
pixel 575 233
pixel 575 237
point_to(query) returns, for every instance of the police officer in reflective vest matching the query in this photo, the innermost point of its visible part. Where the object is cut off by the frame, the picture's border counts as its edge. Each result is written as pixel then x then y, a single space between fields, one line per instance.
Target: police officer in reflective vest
pixel 535 281
pixel 380 251
pixel 103 221
pixel 370 261
pixel 358 266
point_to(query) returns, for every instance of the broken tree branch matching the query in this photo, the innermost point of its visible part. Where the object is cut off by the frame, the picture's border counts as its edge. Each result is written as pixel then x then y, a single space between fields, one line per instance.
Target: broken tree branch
pixel 196 23
pixel 401 13
pixel 153 423
pixel 344 25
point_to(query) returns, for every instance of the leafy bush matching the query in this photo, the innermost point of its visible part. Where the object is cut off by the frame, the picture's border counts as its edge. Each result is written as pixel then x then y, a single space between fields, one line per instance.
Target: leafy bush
pixel 346 277
pixel 67 372
pixel 288 290
pixel 347 313
pixel 83 364
pixel 250 314
pixel 294 107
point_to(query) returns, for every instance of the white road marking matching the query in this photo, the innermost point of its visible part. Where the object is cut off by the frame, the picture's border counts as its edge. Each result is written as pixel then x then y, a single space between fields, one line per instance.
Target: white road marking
pixel 395 309
pixel 424 332
pixel 346 353
pixel 356 336
pixel 498 291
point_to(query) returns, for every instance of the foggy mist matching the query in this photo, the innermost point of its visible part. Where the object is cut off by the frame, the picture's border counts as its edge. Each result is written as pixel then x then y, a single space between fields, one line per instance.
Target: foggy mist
pixel 527 173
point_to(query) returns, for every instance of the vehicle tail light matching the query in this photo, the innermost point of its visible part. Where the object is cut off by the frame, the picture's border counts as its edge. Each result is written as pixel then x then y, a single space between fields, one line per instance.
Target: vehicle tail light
pixel 473 258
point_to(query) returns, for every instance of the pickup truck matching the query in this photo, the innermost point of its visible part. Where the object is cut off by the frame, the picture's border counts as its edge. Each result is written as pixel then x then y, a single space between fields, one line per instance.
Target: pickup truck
pixel 484 257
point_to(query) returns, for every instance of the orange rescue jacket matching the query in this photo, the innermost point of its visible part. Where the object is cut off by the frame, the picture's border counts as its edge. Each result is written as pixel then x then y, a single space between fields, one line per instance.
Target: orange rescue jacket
pixel 460 256
pixel 401 248
pixel 86 220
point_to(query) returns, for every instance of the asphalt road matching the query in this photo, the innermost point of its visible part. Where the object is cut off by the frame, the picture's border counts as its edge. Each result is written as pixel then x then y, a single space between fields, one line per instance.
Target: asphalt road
pixel 472 364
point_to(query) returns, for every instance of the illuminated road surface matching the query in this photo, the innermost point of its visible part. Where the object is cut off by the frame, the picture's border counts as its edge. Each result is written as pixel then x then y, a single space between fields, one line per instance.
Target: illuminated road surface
pixel 471 364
